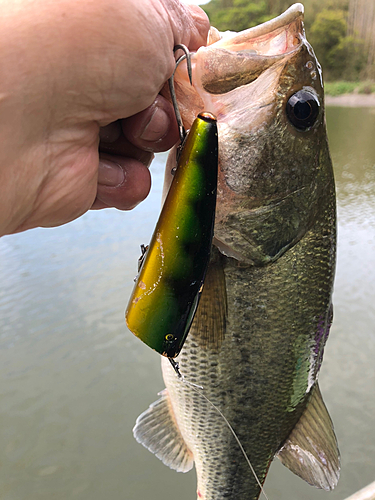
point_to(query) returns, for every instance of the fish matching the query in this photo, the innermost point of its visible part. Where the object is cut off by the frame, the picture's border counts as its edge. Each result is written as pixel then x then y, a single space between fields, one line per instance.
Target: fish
pixel 256 344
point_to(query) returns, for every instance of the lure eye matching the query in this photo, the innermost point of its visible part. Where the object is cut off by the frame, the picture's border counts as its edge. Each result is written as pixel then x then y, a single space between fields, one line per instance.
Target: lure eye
pixel 302 109
pixel 169 337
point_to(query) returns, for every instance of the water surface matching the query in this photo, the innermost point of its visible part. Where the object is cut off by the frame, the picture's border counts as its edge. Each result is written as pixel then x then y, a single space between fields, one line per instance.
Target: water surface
pixel 73 379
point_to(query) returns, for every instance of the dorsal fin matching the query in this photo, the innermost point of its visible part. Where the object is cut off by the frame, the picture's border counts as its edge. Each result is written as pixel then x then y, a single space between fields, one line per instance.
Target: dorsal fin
pixel 156 430
pixel 311 450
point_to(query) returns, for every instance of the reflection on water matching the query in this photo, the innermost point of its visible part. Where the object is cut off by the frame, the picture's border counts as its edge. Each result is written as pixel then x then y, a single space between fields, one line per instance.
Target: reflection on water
pixel 73 380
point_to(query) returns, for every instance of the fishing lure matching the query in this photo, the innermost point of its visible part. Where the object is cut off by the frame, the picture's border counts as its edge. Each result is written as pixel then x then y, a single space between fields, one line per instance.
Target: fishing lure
pixel 172 270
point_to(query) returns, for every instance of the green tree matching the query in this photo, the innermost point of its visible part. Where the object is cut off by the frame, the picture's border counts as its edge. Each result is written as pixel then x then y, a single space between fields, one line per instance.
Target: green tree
pixel 313 7
pixel 327 30
pixel 347 59
pixel 341 56
pixel 236 15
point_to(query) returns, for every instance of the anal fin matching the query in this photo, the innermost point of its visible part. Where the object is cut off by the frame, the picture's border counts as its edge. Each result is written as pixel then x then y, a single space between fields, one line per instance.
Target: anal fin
pixel 156 429
pixel 311 450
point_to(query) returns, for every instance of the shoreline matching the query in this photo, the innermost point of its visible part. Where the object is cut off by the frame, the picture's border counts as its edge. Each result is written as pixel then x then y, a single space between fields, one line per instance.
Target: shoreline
pixel 351 100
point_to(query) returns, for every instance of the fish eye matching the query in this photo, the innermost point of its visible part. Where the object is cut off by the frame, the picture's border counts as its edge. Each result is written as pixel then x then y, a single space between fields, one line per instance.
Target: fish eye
pixel 302 109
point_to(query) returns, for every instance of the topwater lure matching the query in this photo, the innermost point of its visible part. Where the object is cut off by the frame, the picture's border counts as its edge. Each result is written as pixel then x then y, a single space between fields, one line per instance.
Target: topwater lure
pixel 173 267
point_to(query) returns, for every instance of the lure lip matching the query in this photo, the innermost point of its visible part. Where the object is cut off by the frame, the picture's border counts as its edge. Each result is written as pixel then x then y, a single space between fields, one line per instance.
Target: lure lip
pixel 207 117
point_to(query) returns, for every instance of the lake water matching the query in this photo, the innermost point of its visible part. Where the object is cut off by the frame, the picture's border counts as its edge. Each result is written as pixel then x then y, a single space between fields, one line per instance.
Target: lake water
pixel 73 379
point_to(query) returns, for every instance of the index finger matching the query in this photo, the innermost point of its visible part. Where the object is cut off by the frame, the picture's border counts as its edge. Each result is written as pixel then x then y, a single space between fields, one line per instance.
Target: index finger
pixel 201 26
pixel 189 23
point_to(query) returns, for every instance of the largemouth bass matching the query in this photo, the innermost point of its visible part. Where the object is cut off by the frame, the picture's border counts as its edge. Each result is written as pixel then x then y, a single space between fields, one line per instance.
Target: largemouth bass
pixel 256 343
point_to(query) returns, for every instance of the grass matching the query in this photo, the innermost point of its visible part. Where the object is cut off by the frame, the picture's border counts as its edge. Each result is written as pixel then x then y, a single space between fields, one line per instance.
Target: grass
pixel 342 87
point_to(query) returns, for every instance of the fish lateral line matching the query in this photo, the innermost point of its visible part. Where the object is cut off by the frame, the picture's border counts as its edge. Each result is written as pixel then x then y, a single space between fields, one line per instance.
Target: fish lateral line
pixel 198 389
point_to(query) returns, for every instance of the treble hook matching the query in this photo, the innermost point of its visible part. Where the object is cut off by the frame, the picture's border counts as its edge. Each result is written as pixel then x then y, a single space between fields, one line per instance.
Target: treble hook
pixel 186 56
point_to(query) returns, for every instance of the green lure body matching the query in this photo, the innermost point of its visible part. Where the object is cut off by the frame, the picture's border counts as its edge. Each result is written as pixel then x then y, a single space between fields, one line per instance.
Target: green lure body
pixel 170 281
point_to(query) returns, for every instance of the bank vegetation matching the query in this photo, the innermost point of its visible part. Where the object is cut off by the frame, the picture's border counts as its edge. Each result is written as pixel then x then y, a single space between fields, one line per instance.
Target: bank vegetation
pixel 342 33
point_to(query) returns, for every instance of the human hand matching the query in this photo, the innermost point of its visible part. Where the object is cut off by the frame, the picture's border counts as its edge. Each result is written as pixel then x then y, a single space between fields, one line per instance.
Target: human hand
pixel 127 148
pixel 75 69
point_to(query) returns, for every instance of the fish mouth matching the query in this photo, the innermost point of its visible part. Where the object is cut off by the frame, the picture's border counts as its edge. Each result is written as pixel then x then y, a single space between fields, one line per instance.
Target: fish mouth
pixel 231 59
pixel 273 37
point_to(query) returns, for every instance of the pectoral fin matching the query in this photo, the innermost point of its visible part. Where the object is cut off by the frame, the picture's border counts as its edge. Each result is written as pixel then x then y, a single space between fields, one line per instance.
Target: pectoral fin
pixel 156 430
pixel 311 450
pixel 210 320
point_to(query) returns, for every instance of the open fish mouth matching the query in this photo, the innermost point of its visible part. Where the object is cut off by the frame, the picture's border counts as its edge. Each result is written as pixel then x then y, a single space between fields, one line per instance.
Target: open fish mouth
pixel 273 37
pixel 241 57
pixel 231 59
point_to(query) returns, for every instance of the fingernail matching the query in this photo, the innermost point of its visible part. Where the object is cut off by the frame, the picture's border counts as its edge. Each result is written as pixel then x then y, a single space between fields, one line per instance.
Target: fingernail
pixel 110 173
pixel 156 127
